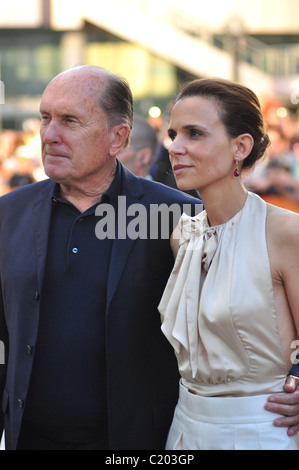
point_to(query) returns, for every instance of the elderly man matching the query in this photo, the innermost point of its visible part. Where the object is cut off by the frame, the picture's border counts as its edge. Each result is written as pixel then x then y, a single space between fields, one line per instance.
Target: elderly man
pixel 86 366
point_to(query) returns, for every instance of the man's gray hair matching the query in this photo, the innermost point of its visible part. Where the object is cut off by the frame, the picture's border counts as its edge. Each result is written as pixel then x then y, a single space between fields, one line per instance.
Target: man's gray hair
pixel 116 100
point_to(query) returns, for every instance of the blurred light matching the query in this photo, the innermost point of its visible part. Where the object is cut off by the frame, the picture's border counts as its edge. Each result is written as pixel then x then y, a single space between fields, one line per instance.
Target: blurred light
pixel 296 148
pixel 25 151
pixel 154 112
pixel 281 112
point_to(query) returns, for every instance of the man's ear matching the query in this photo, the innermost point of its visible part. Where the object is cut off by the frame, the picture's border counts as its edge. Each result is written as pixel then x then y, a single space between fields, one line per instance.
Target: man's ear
pixel 118 139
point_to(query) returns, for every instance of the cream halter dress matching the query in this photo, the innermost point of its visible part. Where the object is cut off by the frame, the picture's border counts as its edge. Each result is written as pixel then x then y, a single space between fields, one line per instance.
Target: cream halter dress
pixel 218 308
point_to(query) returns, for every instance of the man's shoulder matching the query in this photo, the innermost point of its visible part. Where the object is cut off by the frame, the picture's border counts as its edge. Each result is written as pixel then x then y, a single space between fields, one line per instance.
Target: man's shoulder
pixel 29 191
pixel 149 191
pixel 165 193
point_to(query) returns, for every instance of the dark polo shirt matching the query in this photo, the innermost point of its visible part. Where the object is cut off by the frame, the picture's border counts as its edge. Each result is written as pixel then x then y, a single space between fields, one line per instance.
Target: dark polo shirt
pixel 67 393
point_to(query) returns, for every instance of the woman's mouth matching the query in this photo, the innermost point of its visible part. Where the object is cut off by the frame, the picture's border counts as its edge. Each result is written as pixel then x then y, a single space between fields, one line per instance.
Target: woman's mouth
pixel 179 168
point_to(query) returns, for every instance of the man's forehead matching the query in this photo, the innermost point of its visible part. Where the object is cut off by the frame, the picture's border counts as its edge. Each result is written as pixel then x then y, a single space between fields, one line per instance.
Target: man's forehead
pixel 66 101
pixel 83 81
pixel 60 109
pixel 72 93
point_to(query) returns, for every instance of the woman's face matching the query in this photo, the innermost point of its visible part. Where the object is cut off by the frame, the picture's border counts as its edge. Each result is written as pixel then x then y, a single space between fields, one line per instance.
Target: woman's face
pixel 201 152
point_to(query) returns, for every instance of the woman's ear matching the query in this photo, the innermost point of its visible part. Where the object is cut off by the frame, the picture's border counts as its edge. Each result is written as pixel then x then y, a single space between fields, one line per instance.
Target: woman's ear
pixel 243 145
pixel 119 135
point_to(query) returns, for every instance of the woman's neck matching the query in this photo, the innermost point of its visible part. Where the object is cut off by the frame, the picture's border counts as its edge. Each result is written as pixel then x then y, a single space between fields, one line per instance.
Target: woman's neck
pixel 221 206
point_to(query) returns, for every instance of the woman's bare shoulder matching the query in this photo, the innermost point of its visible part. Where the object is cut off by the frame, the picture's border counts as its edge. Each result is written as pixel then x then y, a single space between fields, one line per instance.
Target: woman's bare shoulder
pixel 282 224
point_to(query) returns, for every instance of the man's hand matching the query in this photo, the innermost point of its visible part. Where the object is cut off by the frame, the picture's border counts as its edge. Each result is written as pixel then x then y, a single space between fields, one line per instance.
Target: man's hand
pixel 286 404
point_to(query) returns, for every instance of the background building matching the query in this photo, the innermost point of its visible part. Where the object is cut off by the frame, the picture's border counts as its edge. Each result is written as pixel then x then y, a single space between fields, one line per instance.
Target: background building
pixel 155 44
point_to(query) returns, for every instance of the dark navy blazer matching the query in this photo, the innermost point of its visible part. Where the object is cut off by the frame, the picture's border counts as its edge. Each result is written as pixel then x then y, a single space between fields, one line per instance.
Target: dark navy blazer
pixel 142 376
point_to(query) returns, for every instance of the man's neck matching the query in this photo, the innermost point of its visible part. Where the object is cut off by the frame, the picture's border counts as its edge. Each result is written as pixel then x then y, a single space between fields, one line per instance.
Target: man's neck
pixel 84 196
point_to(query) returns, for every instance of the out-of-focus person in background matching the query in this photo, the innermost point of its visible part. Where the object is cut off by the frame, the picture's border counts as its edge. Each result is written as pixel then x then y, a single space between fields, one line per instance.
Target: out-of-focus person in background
pixel 138 156
pixel 20 156
pixel 23 168
pixel 276 177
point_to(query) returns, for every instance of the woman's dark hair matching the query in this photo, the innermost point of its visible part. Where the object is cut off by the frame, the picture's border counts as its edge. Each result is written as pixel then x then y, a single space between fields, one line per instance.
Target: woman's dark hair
pixel 116 101
pixel 239 110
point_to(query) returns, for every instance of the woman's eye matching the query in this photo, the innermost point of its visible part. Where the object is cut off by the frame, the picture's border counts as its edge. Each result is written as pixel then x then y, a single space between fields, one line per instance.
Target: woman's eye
pixel 171 135
pixel 195 133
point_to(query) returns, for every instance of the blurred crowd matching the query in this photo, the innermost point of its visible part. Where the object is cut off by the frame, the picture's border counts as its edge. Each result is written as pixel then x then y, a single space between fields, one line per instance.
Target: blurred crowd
pixel 20 156
pixel 275 177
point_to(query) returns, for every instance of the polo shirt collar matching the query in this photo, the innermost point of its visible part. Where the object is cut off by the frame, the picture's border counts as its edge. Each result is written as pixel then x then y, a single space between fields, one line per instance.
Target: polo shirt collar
pixel 109 197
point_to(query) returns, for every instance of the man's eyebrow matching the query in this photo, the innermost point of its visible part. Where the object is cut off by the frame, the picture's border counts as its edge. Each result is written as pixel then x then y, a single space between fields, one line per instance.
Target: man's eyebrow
pixel 62 114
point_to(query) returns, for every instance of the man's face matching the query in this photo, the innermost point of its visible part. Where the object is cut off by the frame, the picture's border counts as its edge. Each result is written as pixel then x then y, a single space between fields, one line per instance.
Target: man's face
pixel 75 140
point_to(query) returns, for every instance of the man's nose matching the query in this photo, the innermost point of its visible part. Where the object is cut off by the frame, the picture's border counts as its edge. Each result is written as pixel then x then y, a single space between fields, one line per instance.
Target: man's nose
pixel 51 133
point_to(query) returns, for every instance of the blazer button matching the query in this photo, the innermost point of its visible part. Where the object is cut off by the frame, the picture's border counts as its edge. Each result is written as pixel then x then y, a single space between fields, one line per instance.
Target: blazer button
pixel 20 403
pixel 37 295
pixel 29 349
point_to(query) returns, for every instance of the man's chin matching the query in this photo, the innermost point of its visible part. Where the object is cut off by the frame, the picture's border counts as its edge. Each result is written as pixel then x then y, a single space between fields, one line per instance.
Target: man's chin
pixel 54 175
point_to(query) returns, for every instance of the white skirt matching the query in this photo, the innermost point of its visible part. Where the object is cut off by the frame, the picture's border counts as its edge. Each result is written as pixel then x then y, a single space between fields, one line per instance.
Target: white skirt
pixel 226 423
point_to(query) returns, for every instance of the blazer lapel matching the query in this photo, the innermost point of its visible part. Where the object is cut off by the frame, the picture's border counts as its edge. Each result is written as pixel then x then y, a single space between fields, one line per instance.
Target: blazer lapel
pixel 41 219
pixel 122 246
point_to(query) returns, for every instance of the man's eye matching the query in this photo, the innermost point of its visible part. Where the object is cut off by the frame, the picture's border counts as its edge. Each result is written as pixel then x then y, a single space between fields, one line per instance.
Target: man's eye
pixel 71 122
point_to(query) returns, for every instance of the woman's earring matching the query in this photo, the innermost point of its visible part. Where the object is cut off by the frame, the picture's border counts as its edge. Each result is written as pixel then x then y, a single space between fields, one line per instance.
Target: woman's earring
pixel 236 172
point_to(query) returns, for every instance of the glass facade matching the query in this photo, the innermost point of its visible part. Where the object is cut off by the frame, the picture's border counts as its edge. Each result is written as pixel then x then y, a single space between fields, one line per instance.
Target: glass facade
pixel 29 58
pixel 152 80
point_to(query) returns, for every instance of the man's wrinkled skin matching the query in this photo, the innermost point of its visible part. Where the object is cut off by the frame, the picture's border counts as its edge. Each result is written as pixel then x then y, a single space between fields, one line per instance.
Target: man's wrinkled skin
pixel 286 404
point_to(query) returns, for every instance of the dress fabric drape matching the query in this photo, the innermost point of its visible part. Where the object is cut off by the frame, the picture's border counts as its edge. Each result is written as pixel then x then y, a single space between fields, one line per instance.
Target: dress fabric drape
pixel 218 309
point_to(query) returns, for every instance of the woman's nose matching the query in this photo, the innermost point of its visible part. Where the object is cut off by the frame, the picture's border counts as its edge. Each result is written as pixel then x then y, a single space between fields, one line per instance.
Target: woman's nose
pixel 177 147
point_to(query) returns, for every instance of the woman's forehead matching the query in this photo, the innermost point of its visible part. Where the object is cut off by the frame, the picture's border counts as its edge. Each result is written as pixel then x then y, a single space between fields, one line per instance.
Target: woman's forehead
pixel 195 109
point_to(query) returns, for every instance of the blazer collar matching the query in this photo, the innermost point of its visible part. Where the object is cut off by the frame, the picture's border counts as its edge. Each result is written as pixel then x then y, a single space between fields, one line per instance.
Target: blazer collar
pixel 42 208
pixel 131 185
pixel 133 191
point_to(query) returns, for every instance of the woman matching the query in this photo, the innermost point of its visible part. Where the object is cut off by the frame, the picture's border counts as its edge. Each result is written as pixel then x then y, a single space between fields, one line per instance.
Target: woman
pixel 231 306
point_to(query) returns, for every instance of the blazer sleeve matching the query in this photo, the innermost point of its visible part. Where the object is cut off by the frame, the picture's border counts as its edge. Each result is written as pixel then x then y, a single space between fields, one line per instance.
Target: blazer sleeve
pixel 3 357
pixel 295 368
